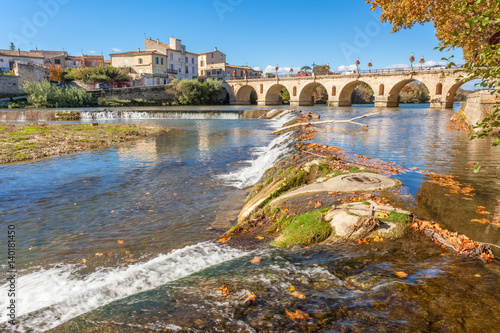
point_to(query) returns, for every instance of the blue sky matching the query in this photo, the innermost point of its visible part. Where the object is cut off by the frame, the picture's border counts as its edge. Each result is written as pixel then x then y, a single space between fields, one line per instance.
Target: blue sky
pixel 254 32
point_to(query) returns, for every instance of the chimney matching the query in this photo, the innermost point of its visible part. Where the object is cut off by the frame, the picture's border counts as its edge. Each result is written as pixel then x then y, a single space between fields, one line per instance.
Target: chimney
pixel 216 48
pixel 157 41
pixel 19 51
pixel 138 49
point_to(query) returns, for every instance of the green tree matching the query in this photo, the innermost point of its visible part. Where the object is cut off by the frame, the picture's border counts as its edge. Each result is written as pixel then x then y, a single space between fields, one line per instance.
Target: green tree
pixel 362 94
pixel 320 70
pixel 285 96
pixel 305 70
pixel 414 92
pixel 101 73
pixel 44 94
pixel 12 47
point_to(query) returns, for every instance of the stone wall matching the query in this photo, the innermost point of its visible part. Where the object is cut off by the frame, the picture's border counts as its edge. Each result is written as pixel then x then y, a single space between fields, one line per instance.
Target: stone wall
pixel 479 105
pixel 148 93
pixel 9 86
pixel 31 73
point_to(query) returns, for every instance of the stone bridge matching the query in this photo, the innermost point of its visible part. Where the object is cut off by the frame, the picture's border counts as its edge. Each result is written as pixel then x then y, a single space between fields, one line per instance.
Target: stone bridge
pixel 441 83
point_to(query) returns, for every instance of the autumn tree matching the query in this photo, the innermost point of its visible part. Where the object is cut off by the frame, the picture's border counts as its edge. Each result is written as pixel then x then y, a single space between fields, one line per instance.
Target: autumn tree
pixel 404 14
pixel 56 73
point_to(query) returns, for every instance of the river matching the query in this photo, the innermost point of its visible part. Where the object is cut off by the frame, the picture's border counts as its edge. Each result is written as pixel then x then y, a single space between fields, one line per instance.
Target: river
pixel 123 239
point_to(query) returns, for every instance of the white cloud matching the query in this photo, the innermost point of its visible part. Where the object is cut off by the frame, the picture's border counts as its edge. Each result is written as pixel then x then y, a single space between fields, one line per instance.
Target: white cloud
pixel 92 52
pixel 281 70
pixel 344 68
pixel 115 49
pixel 398 66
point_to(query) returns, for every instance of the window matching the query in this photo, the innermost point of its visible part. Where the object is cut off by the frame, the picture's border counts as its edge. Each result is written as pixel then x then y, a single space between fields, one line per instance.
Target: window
pixel 202 72
pixel 213 71
pixel 162 61
pixel 126 62
pixel 187 60
pixel 158 81
pixel 221 57
pixel 212 55
pixel 164 81
pixel 192 60
pixel 157 72
pixel 57 61
pixel 139 61
pixel 157 61
pixel 202 63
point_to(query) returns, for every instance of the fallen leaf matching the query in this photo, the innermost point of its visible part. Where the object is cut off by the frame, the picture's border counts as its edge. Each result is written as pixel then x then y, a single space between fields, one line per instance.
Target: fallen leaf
pixel 84 261
pixel 110 254
pixel 209 228
pixel 401 275
pixel 378 239
pixel 250 298
pixel 362 241
pixel 224 290
pixel 75 204
pixel 382 215
pixel 224 239
pixel 297 315
pixel 128 259
pixel 98 254
pixel 292 288
pixel 147 193
pixel 259 237
pixel 298 294
pixel 310 202
pixel 256 260
pixel 318 204
pixel 120 241
pixel 477 275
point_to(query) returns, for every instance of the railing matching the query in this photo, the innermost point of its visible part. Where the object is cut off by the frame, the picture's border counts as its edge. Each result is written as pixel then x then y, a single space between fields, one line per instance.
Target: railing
pixel 161 75
pixel 354 72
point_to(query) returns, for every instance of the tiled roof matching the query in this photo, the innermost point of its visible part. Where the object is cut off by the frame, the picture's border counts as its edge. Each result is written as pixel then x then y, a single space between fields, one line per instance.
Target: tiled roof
pixel 132 53
pixel 26 54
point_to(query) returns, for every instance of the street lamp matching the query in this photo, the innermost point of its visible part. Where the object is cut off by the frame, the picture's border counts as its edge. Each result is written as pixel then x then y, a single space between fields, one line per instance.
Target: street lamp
pixel 260 72
pixel 276 68
pixel 327 68
pixel 370 66
pixel 422 61
pixel 245 73
pixel 412 59
pixel 291 71
pixel 234 74
pixel 357 65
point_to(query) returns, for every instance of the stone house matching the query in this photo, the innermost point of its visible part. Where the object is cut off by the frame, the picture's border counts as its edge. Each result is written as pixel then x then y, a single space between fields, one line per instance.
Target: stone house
pixel 9 58
pixel 212 64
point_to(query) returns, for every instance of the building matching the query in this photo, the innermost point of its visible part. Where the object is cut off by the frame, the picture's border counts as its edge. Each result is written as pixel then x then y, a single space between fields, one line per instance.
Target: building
pixel 181 64
pixel 8 59
pixel 212 64
pixel 159 63
pixel 55 58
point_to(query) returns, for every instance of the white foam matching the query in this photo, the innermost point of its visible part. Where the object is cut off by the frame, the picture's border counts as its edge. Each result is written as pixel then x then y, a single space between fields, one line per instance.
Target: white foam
pixel 267 157
pixel 110 115
pixel 50 297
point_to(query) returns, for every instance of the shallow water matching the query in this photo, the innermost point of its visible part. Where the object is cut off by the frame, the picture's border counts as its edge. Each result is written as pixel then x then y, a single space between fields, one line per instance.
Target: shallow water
pixel 159 196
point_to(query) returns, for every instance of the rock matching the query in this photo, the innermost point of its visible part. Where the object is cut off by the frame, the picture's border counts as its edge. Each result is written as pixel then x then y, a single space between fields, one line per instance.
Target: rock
pixel 341 221
pixel 312 115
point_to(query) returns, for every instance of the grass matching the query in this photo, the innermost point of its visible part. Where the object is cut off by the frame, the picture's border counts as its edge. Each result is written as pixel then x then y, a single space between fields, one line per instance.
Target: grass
pixel 298 179
pixel 396 217
pixel 305 229
pixel 20 143
pixel 355 169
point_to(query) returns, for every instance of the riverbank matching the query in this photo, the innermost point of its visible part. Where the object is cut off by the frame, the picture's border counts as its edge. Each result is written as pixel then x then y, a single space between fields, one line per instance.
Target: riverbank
pixel 320 195
pixel 28 142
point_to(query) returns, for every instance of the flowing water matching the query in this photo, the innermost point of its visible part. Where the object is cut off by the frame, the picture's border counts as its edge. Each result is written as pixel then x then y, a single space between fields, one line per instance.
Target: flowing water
pixel 123 239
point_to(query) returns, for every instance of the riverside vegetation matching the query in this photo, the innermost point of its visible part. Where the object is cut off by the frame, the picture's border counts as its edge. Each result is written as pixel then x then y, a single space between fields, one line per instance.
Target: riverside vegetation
pixel 188 92
pixel 19 143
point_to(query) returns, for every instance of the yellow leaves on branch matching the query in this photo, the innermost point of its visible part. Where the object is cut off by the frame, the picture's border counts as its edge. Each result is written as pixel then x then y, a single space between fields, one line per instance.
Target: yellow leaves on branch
pixel 404 14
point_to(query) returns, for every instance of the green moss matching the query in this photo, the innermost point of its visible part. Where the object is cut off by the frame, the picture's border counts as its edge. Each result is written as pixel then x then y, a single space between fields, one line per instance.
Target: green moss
pixel 270 169
pixel 2 127
pixel 297 180
pixel 30 130
pixel 305 229
pixel 396 217
pixel 354 169
pixel 233 229
pixel 25 147
pixel 20 155
pixel 268 181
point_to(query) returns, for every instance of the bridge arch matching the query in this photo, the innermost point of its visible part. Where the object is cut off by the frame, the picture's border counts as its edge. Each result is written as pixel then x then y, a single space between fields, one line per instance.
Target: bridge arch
pixel 393 97
pixel 449 98
pixel 244 93
pixel 346 91
pixel 306 96
pixel 273 94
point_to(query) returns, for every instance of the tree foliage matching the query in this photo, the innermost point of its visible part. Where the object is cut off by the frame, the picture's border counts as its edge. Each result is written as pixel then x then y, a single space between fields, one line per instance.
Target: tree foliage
pixel 102 73
pixel 414 92
pixel 362 94
pixel 56 73
pixel 193 92
pixel 285 96
pixel 12 47
pixel 44 94
pixel 404 14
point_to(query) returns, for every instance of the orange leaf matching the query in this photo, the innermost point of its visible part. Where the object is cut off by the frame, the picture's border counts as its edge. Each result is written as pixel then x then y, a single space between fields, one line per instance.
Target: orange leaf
pixel 378 239
pixel 98 254
pixel 256 260
pixel 297 315
pixel 250 298
pixel 298 294
pixel 128 259
pixel 310 202
pixel 224 239
pixel 120 241
pixel 401 275
pixel 362 241
pixel 318 204
pixel 259 237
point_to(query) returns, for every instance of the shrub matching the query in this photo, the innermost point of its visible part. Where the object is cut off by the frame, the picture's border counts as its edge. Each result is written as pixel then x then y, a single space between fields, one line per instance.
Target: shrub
pixel 45 94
